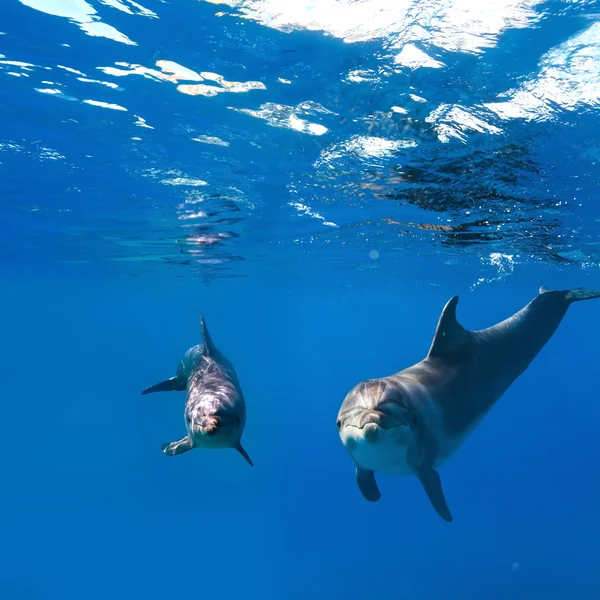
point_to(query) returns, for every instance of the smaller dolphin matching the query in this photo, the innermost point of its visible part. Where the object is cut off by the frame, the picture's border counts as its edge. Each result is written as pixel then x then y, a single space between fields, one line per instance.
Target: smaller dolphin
pixel 412 422
pixel 215 409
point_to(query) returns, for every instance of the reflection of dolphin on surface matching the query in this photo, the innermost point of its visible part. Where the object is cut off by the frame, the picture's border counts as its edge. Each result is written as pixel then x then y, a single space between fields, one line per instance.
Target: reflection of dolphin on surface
pixel 215 410
pixel 413 421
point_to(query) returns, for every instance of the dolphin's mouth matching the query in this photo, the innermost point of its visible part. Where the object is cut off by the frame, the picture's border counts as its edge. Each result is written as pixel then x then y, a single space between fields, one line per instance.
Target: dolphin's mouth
pixel 371 417
pixel 375 419
pixel 211 425
pixel 371 431
pixel 206 428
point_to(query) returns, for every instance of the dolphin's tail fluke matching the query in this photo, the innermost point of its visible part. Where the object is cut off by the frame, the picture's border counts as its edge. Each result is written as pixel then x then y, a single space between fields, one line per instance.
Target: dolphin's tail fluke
pixel 173 384
pixel 574 295
pixel 582 294
pixel 241 450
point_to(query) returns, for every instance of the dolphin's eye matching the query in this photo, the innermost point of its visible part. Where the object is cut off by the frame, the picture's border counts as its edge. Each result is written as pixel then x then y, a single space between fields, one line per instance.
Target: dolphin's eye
pixel 338 423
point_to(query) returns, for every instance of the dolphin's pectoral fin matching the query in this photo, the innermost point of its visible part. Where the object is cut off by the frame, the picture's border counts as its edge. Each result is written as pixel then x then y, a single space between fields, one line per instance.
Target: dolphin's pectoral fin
pixel 173 384
pixel 367 485
pixel 241 450
pixel 432 484
pixel 178 447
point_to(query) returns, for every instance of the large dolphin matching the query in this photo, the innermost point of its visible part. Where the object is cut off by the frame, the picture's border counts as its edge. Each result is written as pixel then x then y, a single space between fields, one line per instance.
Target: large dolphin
pixel 413 421
pixel 215 409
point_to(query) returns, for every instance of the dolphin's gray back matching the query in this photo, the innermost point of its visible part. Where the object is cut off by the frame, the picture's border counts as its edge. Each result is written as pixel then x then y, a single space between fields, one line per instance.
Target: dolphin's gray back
pixel 466 372
pixel 195 357
pixel 189 361
pixel 212 379
pixel 216 379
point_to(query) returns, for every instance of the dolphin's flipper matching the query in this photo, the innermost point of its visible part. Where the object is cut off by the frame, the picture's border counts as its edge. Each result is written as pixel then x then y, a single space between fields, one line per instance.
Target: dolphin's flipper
pixel 432 484
pixel 178 447
pixel 367 485
pixel 173 384
pixel 241 450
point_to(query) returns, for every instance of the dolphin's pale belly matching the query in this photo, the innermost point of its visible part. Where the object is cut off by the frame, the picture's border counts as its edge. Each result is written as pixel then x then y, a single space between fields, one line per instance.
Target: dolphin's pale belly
pixel 215 442
pixel 388 454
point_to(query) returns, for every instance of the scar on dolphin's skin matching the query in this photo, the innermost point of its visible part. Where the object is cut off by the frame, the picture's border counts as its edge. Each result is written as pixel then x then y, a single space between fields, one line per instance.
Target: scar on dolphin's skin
pixel 215 408
pixel 412 422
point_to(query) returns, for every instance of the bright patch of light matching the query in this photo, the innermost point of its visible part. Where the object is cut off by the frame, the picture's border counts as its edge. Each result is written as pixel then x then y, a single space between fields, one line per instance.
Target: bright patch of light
pixel 306 210
pixel 188 181
pixel 413 58
pixel 178 71
pixel 106 83
pixel 504 264
pixel 70 70
pixel 455 122
pixel 56 93
pixel 453 25
pixel 281 115
pixel 105 105
pixel 142 123
pixel 122 6
pixel 174 73
pixel 208 139
pixel 569 77
pixel 81 13
pixel 364 147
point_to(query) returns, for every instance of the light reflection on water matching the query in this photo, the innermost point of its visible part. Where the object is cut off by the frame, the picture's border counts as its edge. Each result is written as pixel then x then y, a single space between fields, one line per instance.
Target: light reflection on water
pixel 394 135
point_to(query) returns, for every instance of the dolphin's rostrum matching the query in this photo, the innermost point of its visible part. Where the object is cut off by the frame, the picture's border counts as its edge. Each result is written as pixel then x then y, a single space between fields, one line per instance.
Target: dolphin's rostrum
pixel 215 409
pixel 413 421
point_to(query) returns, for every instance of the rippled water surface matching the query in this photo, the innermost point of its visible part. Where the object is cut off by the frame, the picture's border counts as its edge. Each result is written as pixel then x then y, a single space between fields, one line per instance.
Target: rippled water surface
pixel 317 178
pixel 205 136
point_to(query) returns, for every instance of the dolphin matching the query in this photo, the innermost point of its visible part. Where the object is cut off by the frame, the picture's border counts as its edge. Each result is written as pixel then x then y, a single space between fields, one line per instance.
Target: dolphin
pixel 412 422
pixel 215 409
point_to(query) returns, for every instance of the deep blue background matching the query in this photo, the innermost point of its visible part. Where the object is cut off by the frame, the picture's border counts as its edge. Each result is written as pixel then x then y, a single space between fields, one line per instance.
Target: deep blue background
pixel 94 509
pixel 101 293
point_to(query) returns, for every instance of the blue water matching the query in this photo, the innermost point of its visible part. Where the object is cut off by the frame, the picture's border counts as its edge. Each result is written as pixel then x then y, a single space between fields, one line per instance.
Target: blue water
pixel 317 179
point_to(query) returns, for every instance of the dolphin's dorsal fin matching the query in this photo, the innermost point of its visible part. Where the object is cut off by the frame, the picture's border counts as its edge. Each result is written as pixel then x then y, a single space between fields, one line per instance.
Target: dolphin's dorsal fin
pixel 544 290
pixel 208 348
pixel 450 334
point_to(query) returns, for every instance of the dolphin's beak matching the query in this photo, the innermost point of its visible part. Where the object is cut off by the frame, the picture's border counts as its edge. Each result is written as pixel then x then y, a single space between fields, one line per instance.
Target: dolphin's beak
pixel 208 426
pixel 371 432
pixel 371 417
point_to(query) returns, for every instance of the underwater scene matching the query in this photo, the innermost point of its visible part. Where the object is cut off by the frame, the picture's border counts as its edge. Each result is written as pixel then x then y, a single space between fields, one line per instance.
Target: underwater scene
pixel 300 299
